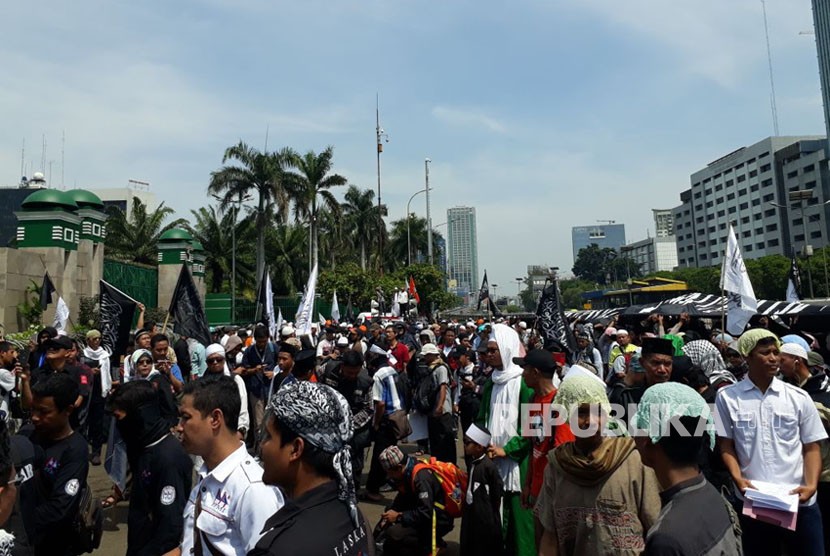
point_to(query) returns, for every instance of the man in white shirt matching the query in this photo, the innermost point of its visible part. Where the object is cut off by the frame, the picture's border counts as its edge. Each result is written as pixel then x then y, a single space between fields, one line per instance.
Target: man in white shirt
pixel 770 431
pixel 9 368
pixel 228 508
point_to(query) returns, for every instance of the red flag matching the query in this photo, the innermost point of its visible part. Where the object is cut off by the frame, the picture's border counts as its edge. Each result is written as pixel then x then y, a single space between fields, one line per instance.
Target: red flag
pixel 413 293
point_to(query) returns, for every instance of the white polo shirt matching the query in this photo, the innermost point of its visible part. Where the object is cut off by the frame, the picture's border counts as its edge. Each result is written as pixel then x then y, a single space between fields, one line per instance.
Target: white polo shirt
pixel 769 429
pixel 235 504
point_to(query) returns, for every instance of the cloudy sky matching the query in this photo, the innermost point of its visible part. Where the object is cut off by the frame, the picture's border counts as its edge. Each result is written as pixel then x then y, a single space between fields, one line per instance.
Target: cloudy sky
pixel 543 114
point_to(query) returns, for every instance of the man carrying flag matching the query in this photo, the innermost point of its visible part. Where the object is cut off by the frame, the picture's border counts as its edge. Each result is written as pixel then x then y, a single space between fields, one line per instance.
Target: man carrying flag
pixel 734 281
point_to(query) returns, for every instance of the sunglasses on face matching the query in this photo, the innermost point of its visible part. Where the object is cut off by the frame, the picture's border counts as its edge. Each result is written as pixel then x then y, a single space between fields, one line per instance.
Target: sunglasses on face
pixel 216 360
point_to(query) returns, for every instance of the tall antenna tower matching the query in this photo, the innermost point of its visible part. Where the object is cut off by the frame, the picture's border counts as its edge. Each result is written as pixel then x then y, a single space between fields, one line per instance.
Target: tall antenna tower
pixel 43 154
pixel 23 159
pixel 773 106
pixel 63 160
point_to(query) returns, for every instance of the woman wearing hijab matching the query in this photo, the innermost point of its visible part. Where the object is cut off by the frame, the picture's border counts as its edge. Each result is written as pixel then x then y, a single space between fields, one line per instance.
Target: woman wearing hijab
pixel 500 413
pixel 305 451
pixel 598 497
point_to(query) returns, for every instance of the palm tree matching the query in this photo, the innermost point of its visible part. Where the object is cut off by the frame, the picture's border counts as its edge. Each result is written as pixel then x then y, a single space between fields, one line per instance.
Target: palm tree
pixel 286 249
pixel 135 237
pixel 397 246
pixel 360 213
pixel 310 180
pixel 214 230
pixel 256 173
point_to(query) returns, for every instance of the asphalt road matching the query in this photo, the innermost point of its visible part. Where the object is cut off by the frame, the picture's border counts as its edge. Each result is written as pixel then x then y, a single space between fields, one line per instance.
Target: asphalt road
pixel 114 542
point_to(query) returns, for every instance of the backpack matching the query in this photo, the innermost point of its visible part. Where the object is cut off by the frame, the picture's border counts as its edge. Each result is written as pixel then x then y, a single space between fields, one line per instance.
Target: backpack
pixel 425 392
pixel 88 525
pixel 452 480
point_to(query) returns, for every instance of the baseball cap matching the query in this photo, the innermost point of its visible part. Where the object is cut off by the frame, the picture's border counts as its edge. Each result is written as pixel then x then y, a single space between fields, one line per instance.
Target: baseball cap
pixel 538 358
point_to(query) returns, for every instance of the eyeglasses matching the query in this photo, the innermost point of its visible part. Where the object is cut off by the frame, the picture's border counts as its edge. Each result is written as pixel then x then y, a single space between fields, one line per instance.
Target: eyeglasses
pixel 216 360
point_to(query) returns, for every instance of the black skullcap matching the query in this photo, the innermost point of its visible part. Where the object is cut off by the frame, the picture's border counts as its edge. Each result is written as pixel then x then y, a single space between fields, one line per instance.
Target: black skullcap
pixel 660 346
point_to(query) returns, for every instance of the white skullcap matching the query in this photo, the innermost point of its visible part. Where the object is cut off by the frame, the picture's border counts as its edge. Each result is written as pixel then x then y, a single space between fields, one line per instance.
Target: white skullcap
pixel 213 349
pixel 478 435
pixel 622 331
pixel 794 349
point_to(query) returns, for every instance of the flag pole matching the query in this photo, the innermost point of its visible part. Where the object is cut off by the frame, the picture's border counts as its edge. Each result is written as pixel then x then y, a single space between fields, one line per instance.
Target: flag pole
pixel 722 291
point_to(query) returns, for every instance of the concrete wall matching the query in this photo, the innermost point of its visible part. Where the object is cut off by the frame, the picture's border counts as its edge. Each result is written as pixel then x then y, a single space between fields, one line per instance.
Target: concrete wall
pixel 74 273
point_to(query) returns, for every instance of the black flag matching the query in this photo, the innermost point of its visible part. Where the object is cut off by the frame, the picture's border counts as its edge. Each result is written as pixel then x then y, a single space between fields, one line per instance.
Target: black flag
pixel 187 310
pixel 349 312
pixel 117 309
pixel 551 322
pixel 46 291
pixel 484 293
pixel 793 282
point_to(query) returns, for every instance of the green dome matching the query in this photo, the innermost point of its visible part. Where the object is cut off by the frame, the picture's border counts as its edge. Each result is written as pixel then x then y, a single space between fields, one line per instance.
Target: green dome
pixel 176 234
pixel 49 199
pixel 86 199
pixel 196 246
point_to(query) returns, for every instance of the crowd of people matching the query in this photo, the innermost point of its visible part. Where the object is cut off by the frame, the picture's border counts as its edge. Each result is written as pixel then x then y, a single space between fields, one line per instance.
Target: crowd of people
pixel 629 441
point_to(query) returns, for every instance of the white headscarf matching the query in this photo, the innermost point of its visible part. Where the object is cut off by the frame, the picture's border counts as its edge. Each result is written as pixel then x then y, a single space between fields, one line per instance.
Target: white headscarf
pixel 504 403
pixel 102 355
pixel 138 354
pixel 213 349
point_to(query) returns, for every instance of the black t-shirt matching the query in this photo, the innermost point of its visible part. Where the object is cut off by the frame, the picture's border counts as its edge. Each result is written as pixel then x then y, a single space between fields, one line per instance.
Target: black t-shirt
pixel 161 484
pixel 51 498
pixel 315 523
pixel 694 520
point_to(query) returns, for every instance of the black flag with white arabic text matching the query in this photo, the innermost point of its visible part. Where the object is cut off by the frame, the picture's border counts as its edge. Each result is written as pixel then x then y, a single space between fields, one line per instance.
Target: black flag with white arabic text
pixel 117 309
pixel 484 292
pixel 793 282
pixel 187 310
pixel 551 322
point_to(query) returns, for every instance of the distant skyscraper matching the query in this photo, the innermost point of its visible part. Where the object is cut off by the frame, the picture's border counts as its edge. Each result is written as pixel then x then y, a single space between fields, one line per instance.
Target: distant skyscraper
pixel 462 249
pixel 663 222
pixel 821 19
pixel 604 235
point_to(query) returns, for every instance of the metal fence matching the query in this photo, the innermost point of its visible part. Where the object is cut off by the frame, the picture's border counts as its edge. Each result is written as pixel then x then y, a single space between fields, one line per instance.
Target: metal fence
pixel 139 282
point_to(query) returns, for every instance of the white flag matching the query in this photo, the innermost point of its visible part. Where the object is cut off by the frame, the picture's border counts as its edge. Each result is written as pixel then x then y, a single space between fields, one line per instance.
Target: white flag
pixel 792 292
pixel 303 318
pixel 335 308
pixel 734 281
pixel 278 326
pixel 269 308
pixel 61 315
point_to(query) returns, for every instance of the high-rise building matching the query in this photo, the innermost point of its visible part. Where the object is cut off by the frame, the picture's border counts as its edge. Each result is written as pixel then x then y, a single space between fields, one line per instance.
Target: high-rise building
pixel 663 222
pixel 821 19
pixel 462 249
pixel 604 235
pixel 773 194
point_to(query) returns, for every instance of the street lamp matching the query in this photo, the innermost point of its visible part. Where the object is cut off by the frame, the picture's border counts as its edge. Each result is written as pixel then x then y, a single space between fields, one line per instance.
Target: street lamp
pixel 235 205
pixel 495 295
pixel 429 218
pixel 799 196
pixel 519 285
pixel 408 220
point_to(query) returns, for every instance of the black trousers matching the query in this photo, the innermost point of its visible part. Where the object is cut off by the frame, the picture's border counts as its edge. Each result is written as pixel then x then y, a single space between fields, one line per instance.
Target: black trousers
pixel 361 440
pixel 384 438
pixel 411 541
pixel 95 418
pixel 442 437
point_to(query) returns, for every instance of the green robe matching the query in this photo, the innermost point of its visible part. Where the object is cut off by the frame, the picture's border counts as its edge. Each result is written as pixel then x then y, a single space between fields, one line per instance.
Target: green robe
pixel 518 522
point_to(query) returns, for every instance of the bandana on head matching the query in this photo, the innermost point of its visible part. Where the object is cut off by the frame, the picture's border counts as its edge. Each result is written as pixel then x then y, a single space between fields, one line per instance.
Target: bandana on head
pixel 750 339
pixel 321 416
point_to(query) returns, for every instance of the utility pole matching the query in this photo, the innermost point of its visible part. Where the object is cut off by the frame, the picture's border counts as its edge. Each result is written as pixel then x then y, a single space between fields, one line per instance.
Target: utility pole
pixel 429 219
pixel 380 135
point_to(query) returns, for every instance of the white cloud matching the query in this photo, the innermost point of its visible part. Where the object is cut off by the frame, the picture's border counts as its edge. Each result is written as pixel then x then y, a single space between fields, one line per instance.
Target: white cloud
pixel 466 117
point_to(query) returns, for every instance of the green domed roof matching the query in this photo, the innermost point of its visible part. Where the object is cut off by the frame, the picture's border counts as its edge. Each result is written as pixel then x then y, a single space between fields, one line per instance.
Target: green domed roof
pixel 176 234
pixel 196 246
pixel 50 199
pixel 85 198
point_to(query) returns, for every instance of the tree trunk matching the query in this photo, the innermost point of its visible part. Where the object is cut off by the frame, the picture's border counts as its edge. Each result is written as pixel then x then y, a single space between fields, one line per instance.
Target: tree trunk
pixel 314 244
pixel 363 254
pixel 260 237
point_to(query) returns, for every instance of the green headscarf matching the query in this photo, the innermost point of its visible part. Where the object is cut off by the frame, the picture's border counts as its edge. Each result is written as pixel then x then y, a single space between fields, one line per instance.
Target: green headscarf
pixel 677 342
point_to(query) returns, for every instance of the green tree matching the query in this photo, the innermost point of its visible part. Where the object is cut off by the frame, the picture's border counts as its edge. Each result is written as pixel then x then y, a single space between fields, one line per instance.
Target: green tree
pixel 213 228
pixel 135 237
pixel 399 242
pixel 360 215
pixel 254 173
pixel 603 266
pixel 310 185
pixel 286 248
